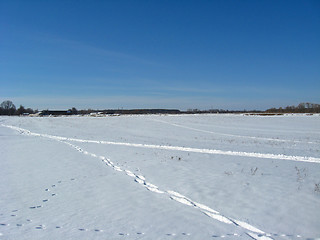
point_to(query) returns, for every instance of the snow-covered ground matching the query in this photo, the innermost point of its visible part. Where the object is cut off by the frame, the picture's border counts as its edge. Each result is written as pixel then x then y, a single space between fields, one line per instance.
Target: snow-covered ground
pixel 160 177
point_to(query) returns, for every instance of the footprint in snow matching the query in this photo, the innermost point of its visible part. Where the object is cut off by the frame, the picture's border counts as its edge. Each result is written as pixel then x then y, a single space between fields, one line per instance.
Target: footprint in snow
pixel 33 207
pixel 117 168
pixel 129 173
pixel 228 234
pixel 171 234
pixel 138 180
pixel 40 227
pixel 141 177
pixel 233 234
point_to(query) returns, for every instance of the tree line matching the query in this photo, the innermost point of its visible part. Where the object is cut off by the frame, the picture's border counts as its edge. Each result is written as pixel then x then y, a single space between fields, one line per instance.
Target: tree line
pixel 8 108
pixel 301 108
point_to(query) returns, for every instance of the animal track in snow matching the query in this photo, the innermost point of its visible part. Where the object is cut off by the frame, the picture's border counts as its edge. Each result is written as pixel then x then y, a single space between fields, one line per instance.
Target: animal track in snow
pixel 40 227
pixel 181 200
pixel 186 234
pixel 138 180
pixel 171 234
pixel 129 173
pixel 34 207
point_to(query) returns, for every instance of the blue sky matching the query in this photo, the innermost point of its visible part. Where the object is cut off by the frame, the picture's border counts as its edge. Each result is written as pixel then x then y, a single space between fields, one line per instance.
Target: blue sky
pixel 159 54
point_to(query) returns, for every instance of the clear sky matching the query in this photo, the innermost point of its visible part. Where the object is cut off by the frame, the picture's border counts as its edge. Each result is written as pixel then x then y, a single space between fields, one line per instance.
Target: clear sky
pixel 159 54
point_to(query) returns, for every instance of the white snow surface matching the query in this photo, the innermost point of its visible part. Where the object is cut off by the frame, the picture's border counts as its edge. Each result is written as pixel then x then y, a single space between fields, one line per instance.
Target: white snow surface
pixel 160 177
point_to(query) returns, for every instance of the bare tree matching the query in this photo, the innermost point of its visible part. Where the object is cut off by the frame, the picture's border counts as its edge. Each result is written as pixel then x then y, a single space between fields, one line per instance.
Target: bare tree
pixel 7 108
pixel 7 105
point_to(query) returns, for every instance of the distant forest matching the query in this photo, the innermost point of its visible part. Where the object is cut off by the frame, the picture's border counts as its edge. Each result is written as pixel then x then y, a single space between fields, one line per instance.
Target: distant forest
pixel 301 108
pixel 8 108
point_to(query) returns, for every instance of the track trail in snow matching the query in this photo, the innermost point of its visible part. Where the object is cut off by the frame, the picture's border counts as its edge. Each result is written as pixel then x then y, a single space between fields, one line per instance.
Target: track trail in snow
pixel 175 148
pixel 251 231
pixel 232 135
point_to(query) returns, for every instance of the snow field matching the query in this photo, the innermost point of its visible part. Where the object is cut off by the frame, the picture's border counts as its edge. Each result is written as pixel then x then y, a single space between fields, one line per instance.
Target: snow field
pixel 216 195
